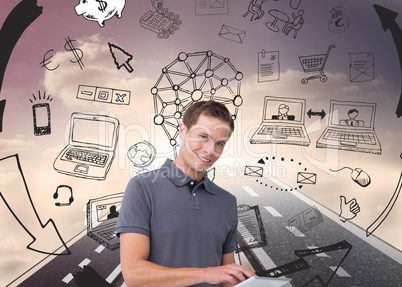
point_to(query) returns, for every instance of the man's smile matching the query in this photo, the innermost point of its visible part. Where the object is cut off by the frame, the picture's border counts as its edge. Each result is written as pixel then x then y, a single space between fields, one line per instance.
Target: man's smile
pixel 202 158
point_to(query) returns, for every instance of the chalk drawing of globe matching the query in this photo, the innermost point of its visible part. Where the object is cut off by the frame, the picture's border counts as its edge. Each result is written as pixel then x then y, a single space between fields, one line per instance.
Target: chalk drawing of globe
pixel 141 154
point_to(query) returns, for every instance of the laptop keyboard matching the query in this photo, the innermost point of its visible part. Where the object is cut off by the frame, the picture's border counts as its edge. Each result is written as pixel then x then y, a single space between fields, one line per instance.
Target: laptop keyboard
pixel 86 156
pixel 367 138
pixel 285 131
pixel 108 234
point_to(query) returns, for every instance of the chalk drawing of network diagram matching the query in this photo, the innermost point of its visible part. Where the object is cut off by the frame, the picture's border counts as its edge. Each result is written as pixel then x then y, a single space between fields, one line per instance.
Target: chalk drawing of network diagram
pixel 192 77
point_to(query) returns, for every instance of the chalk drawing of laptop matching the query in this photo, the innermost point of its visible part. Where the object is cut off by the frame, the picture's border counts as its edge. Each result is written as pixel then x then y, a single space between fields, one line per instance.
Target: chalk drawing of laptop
pixel 282 122
pixel 91 146
pixel 101 216
pixel 351 127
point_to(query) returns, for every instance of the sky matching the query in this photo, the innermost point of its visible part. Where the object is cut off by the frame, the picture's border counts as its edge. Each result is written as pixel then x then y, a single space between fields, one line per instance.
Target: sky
pixel 25 80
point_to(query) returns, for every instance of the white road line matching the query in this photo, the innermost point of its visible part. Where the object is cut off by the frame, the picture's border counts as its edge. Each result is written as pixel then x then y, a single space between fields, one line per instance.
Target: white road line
pixel 84 262
pixel 99 249
pixel 68 278
pixel 297 234
pixel 114 274
pixel 340 272
pixel 273 211
pixel 263 257
pixel 250 191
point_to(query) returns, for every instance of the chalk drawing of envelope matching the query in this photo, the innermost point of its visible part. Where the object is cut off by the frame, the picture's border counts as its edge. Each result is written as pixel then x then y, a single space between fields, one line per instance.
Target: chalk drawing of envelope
pixel 306 178
pixel 217 3
pixel 253 170
pixel 232 34
pixel 361 67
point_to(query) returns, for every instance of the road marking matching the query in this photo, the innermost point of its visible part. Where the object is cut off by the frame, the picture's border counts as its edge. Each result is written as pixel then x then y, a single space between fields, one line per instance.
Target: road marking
pixel 114 274
pixel 68 278
pixel 273 211
pixel 99 249
pixel 263 257
pixel 84 262
pixel 297 234
pixel 250 191
pixel 340 272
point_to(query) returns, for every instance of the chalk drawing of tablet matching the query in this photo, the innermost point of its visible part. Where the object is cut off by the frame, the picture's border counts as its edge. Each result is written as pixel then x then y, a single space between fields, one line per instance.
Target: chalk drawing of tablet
pixel 264 282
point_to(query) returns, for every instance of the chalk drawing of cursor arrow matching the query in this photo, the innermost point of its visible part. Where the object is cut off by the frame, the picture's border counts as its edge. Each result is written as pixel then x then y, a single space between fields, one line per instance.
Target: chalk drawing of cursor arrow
pixel 387 18
pixel 15 194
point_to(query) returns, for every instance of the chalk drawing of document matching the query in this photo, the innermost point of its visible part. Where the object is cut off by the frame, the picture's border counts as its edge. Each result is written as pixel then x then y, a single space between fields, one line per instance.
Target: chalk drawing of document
pixel 268 66
pixel 250 230
pixel 361 67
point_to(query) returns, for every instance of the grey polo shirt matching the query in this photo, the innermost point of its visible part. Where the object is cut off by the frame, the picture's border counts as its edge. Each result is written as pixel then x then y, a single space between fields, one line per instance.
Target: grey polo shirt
pixel 189 224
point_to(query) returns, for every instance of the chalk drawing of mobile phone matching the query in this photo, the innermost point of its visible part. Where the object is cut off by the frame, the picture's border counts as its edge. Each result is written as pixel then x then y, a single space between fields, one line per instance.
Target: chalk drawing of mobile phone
pixel 41 119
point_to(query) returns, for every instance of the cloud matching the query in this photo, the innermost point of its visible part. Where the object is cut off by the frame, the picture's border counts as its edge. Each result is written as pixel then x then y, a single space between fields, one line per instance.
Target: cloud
pixel 98 70
pixel 18 143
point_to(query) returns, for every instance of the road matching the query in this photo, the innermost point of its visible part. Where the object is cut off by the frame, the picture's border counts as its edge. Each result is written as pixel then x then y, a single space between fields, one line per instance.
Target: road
pixel 357 260
pixel 327 252
pixel 60 270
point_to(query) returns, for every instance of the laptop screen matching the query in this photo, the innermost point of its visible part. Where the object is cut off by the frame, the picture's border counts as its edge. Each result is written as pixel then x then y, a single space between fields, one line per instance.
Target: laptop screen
pixel 103 208
pixel 352 115
pixel 93 131
pixel 283 110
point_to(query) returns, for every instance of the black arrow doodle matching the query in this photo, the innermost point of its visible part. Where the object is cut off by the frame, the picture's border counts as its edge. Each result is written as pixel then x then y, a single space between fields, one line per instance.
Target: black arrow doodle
pixel 48 228
pixel 322 114
pixel 15 24
pixel 2 107
pixel 120 57
pixel 387 18
pixel 386 210
pixel 301 264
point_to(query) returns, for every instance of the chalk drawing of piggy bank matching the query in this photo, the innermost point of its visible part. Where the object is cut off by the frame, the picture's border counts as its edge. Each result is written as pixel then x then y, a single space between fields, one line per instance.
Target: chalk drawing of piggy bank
pixel 100 10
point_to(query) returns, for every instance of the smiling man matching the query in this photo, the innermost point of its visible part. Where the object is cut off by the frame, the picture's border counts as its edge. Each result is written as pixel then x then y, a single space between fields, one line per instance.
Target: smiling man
pixel 176 227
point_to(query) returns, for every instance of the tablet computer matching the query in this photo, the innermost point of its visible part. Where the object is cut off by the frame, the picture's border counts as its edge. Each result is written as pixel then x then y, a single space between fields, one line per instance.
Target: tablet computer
pixel 264 282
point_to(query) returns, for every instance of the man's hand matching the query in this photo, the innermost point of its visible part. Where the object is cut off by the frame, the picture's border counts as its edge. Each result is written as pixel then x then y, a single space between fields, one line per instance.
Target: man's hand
pixel 229 273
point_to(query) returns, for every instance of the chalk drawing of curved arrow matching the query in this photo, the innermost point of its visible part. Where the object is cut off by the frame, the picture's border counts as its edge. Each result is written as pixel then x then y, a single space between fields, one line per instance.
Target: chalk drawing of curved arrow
pixel 387 18
pixel 15 24
pixel 20 204
pixel 386 210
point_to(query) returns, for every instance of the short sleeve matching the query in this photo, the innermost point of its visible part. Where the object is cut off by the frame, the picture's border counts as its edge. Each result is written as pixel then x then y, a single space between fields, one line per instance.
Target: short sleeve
pixel 135 209
pixel 230 243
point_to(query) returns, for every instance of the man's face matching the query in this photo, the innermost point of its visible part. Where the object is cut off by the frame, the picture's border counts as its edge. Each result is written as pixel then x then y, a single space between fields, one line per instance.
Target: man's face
pixel 202 144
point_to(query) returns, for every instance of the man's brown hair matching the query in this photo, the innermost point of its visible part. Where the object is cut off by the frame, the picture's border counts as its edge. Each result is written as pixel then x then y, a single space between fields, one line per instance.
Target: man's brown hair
pixel 207 108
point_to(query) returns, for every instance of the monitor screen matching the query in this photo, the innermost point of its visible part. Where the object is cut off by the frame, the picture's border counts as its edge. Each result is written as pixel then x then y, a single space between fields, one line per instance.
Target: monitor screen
pixel 94 132
pixel 352 115
pixel 282 109
pixel 107 211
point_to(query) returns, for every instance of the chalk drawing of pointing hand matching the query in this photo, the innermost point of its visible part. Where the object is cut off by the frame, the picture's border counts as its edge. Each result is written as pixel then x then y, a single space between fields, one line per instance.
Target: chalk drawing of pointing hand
pixel 349 209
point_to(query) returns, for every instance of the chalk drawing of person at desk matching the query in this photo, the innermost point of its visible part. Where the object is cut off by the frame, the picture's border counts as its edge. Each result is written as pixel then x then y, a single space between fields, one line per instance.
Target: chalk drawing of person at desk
pixel 278 16
pixel 295 24
pixel 290 24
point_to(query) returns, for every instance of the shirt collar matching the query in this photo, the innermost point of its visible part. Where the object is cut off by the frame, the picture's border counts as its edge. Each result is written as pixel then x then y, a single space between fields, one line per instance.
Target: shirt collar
pixel 179 178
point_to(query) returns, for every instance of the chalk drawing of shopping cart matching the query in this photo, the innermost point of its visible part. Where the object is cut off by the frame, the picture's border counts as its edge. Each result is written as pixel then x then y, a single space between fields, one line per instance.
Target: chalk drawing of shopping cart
pixel 315 63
